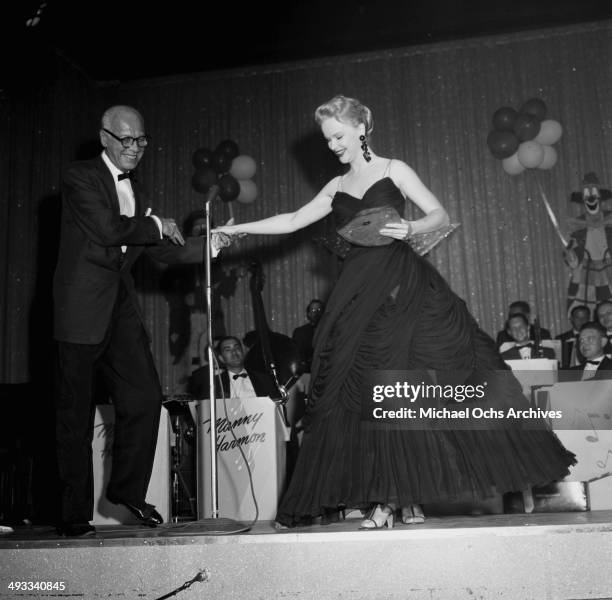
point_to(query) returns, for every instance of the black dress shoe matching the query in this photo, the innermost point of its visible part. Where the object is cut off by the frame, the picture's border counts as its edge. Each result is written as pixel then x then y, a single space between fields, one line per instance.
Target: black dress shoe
pixel 76 530
pixel 144 512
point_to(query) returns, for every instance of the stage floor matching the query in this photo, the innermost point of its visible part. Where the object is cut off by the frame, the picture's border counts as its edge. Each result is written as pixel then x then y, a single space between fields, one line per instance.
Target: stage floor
pixel 537 556
pixel 195 532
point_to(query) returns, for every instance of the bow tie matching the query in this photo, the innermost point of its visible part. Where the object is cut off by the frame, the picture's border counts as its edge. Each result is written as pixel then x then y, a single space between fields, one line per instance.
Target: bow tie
pixel 239 375
pixel 128 175
pixel 594 362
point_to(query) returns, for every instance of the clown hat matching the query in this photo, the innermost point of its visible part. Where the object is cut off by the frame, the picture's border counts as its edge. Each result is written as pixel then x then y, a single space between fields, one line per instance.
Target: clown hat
pixel 590 179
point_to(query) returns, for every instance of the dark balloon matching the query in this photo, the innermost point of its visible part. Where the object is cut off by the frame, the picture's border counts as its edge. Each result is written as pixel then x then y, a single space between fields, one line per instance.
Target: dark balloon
pixel 504 118
pixel 229 188
pixel 201 158
pixel 534 107
pixel 202 180
pixel 502 143
pixel 526 127
pixel 229 148
pixel 221 163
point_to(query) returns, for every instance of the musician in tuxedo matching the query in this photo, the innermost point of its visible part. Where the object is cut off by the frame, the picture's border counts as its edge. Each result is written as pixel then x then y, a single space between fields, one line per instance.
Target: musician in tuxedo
pixel 598 365
pixel 517 328
pixel 236 381
pixel 304 334
pixel 603 312
pixel 106 225
pixel 520 307
pixel 570 351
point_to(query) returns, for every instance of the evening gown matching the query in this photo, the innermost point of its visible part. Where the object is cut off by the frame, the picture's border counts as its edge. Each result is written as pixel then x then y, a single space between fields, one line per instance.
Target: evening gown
pixel 391 309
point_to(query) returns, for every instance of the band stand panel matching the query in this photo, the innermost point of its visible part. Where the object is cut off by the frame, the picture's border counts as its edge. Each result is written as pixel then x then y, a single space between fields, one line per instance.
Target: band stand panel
pixel 262 436
pixel 585 429
pixel 106 513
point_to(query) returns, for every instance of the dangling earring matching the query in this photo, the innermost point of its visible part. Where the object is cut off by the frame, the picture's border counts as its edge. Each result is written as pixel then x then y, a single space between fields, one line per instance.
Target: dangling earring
pixel 365 149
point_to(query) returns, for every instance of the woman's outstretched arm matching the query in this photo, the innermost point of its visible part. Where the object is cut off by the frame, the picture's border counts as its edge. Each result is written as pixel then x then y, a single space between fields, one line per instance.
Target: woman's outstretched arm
pixel 316 209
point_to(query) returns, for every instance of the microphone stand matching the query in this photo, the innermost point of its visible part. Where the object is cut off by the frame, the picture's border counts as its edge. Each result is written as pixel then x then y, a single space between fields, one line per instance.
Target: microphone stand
pixel 212 194
pixel 215 524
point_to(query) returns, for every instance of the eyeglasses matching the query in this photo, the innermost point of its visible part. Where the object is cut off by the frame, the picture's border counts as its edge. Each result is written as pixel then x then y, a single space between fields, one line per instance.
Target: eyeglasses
pixel 126 142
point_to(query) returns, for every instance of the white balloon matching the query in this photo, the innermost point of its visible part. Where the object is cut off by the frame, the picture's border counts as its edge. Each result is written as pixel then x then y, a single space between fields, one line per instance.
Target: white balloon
pixel 512 166
pixel 530 154
pixel 550 158
pixel 550 132
pixel 248 191
pixel 243 167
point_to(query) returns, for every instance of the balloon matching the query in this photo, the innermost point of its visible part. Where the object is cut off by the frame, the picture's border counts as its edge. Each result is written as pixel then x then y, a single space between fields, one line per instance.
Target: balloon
pixel 526 127
pixel 534 107
pixel 550 132
pixel 512 166
pixel 248 191
pixel 550 158
pixel 504 118
pixel 228 188
pixel 530 154
pixel 202 180
pixel 502 143
pixel 201 158
pixel 229 148
pixel 220 162
pixel 243 167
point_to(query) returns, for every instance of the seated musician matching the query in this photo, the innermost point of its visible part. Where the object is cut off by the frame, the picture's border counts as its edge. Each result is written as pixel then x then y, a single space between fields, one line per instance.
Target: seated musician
pixel 236 381
pixel 603 312
pixel 304 334
pixel 517 328
pixel 570 353
pixel 520 307
pixel 592 342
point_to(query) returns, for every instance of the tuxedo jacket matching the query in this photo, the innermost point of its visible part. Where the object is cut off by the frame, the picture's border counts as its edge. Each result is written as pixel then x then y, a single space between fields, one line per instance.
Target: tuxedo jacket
pixel 263 384
pixel 90 263
pixel 604 371
pixel 514 354
pixel 568 342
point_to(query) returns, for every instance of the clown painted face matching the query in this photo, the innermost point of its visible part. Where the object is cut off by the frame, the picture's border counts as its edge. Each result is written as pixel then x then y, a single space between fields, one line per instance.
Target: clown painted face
pixel 591 198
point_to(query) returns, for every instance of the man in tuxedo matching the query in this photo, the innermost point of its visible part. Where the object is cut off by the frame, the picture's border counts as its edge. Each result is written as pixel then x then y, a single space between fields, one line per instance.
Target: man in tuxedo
pixel 570 351
pixel 517 327
pixel 603 312
pixel 236 381
pixel 520 307
pixel 304 334
pixel 105 226
pixel 592 340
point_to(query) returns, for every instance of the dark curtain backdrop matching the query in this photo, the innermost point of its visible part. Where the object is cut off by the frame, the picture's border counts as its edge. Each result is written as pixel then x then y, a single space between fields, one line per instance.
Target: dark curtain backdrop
pixel 432 107
pixel 46 120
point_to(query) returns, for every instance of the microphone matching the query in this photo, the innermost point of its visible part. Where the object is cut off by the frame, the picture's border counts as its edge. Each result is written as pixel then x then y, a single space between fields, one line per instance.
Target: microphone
pixel 212 193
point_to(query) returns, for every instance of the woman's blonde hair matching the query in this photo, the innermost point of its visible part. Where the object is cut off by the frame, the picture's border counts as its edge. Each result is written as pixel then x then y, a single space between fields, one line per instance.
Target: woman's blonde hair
pixel 346 110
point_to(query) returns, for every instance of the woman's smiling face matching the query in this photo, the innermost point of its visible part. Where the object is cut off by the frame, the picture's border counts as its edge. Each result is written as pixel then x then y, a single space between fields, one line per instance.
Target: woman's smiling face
pixel 342 138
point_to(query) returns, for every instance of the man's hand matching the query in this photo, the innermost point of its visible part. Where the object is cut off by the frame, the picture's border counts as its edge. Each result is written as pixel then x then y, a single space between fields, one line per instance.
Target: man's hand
pixel 171 231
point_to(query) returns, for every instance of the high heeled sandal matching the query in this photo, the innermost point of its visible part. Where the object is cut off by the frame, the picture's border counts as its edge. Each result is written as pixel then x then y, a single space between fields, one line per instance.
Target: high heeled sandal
pixel 378 517
pixel 412 515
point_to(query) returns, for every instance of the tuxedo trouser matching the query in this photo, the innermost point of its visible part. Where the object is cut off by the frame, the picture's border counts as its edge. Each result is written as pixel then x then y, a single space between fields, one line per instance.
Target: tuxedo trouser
pixel 124 362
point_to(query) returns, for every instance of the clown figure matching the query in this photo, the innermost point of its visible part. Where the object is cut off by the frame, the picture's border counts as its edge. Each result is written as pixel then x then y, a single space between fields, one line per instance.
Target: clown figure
pixel 589 252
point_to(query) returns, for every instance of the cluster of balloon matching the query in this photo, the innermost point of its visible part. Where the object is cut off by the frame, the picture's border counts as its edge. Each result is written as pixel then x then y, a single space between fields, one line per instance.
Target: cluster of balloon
pixel 523 140
pixel 228 169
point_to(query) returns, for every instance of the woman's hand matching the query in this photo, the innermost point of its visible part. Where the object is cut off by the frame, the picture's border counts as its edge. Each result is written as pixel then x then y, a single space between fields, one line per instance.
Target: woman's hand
pixel 399 231
pixel 229 229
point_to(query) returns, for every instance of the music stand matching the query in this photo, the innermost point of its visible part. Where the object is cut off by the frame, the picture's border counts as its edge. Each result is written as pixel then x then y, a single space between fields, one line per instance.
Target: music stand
pixel 178 409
